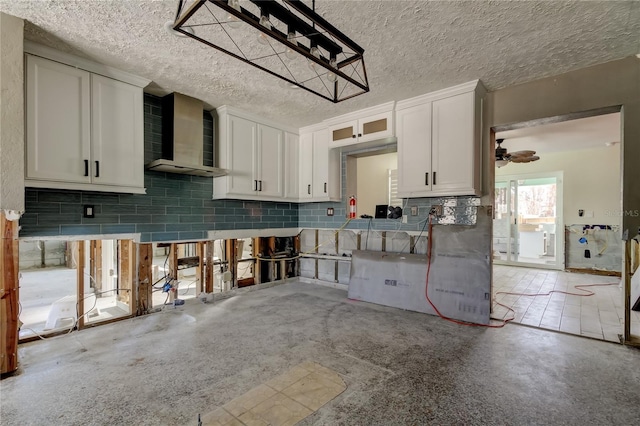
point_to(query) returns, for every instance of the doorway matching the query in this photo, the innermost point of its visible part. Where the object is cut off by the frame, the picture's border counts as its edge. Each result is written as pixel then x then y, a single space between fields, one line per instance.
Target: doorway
pixel 527 219
pixel 553 218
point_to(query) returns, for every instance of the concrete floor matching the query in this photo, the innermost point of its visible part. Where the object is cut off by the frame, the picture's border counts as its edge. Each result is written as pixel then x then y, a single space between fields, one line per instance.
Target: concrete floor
pixel 399 367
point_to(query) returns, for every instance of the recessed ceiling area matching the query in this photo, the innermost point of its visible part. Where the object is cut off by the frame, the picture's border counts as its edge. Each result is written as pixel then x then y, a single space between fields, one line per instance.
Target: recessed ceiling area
pixel 411 47
pixel 581 133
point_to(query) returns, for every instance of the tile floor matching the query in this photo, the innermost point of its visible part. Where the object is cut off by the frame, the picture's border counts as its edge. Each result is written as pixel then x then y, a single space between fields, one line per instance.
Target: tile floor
pixel 600 316
pixel 283 400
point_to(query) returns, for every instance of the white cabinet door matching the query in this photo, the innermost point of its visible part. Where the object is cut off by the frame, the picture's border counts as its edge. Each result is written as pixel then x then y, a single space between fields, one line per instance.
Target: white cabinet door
pixel 378 126
pixel 291 166
pixel 58 122
pixel 320 189
pixel 269 161
pixel 343 133
pixel 241 145
pixel 117 145
pixel 453 144
pixel 414 151
pixel 306 166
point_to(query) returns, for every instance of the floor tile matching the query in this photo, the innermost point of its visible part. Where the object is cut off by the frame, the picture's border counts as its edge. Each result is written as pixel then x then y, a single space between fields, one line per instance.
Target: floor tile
pixel 285 380
pixel 314 390
pixel 244 403
pixel 281 410
pixel 219 417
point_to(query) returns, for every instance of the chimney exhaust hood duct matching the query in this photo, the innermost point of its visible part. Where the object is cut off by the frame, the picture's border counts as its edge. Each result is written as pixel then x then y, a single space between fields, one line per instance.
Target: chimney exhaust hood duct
pixel 182 138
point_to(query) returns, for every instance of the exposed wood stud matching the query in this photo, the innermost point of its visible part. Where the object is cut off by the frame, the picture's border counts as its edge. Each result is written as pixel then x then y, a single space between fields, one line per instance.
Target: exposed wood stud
pixel 208 274
pixel 80 253
pixel 127 274
pixel 9 297
pixel 230 254
pixel 173 268
pixel 200 270
pixel 145 278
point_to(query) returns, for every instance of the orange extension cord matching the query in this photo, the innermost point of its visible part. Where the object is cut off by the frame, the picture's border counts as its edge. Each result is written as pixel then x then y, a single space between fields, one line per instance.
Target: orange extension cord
pixel 504 321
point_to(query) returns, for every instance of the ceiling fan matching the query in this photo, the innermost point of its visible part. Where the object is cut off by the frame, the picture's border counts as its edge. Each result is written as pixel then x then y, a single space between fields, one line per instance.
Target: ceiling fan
pixel 503 157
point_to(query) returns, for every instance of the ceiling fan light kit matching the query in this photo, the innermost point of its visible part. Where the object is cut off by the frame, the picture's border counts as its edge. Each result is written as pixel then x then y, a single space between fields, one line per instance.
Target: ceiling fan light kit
pixel 503 157
pixel 284 38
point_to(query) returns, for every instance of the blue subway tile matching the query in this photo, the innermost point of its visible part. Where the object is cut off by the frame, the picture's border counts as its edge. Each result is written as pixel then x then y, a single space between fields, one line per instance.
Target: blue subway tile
pixel 165 236
pixel 79 229
pixel 118 229
pixel 59 197
pixel 180 227
pixel 193 235
pixel 165 218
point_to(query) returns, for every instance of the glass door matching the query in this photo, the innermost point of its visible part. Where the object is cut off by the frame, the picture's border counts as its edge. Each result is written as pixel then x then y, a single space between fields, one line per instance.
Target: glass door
pixel 528 227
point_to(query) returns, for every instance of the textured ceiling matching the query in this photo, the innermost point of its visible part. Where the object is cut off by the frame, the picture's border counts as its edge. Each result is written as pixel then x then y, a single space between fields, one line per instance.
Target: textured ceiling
pixel 411 47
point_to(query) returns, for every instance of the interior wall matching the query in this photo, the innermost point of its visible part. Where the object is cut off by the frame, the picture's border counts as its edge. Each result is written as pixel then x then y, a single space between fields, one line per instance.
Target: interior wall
pixel 591 182
pixel 11 113
pixel 615 83
pixel 373 181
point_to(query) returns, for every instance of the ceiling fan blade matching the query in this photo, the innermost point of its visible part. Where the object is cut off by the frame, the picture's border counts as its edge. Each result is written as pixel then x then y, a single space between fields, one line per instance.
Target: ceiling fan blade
pixel 524 159
pixel 524 153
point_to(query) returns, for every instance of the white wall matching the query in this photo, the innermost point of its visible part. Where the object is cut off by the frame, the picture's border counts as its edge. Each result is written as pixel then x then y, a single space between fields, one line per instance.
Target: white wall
pixel 591 182
pixel 11 114
pixel 373 181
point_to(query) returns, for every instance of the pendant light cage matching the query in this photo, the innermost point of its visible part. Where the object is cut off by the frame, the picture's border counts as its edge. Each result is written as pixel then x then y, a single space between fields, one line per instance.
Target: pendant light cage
pixel 284 38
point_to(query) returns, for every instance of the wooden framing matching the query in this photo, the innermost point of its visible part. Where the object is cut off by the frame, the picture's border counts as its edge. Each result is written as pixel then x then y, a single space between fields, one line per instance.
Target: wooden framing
pixel 230 255
pixel 208 269
pixel 145 278
pixel 95 264
pixel 9 296
pixel 200 269
pixel 127 275
pixel 80 281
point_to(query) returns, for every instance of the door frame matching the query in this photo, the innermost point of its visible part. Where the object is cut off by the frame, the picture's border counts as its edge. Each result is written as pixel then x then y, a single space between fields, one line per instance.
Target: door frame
pixel 560 232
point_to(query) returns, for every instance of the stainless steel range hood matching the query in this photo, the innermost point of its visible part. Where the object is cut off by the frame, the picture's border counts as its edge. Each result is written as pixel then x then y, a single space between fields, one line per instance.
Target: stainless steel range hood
pixel 182 138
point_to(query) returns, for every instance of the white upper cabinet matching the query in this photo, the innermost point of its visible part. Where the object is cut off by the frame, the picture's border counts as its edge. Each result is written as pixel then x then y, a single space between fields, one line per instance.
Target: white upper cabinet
pixel 58 122
pixel 84 131
pixel 305 178
pixel 320 178
pixel 116 132
pixel 439 141
pixel 363 126
pixel 269 164
pixel 254 153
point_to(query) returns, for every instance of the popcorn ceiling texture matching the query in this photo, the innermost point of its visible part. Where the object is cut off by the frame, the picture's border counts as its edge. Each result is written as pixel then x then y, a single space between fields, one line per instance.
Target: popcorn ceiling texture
pixel 411 47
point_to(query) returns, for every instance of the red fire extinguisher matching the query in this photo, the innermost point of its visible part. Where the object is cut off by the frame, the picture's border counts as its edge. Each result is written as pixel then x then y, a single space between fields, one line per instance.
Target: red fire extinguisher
pixel 352 207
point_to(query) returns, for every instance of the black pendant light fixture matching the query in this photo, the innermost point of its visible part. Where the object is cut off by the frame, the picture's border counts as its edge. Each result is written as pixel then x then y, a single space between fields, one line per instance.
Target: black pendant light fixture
pixel 284 38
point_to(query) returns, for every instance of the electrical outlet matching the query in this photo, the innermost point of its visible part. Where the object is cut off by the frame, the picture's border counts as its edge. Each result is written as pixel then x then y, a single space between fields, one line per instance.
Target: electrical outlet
pixel 436 210
pixel 329 211
pixel 414 210
pixel 404 218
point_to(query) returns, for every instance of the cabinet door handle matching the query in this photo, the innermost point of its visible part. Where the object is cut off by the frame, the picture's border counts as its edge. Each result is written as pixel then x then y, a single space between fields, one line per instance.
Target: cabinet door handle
pixel 260 185
pixel 426 179
pixel 325 187
pixel 434 178
pixel 353 136
pixel 255 185
pixel 309 189
pixel 97 169
pixel 359 135
pixel 86 167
